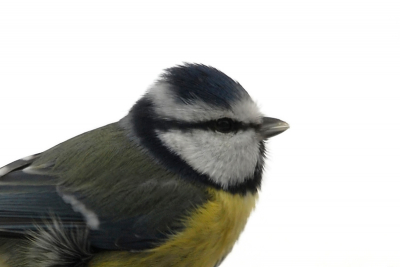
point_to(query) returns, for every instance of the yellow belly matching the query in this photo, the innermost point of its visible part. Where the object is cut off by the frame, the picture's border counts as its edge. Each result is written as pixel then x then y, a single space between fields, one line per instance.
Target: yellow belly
pixel 209 236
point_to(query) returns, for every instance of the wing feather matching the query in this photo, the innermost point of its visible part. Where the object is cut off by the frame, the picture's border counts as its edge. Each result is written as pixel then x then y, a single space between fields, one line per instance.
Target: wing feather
pixel 101 180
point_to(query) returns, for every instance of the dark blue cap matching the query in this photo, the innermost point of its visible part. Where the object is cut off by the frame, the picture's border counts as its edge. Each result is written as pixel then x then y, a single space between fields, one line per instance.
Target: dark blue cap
pixel 196 81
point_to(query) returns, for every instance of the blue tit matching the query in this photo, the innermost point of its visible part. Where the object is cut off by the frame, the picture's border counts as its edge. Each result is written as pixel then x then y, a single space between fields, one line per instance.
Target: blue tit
pixel 172 184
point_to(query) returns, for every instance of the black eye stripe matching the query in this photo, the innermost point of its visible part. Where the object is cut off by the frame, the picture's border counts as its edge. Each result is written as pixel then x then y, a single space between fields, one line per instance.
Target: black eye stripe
pixel 164 125
pixel 225 125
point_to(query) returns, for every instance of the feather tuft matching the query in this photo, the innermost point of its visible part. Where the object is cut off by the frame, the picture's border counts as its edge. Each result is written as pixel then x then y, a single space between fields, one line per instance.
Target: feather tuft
pixel 57 245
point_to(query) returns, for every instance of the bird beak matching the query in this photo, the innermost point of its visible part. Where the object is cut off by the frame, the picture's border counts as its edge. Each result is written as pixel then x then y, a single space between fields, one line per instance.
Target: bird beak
pixel 271 127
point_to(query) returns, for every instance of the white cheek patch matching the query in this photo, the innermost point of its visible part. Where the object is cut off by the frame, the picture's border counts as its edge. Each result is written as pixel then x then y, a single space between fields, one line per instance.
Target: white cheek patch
pixel 91 218
pixel 165 106
pixel 229 159
pixel 4 171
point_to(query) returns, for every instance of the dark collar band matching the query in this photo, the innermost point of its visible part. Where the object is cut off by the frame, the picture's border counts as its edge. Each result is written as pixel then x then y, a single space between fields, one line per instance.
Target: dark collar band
pixel 144 124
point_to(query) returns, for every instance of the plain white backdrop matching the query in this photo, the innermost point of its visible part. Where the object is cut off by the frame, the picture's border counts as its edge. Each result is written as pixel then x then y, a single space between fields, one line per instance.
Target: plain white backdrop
pixel 331 193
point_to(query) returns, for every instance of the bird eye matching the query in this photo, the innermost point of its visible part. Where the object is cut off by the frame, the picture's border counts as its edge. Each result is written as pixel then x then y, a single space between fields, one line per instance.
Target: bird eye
pixel 224 125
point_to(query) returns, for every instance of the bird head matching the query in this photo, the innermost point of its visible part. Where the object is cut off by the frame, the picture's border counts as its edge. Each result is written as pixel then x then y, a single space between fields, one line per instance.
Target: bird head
pixel 202 124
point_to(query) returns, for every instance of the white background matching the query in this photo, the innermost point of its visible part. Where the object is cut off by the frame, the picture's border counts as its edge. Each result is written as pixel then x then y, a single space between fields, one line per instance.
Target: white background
pixel 331 193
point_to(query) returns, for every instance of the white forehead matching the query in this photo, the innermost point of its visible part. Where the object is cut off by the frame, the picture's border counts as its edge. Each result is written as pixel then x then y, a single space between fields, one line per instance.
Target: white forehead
pixel 166 106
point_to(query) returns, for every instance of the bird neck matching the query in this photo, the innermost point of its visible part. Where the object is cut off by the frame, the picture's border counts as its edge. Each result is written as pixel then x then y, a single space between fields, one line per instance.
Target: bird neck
pixel 142 125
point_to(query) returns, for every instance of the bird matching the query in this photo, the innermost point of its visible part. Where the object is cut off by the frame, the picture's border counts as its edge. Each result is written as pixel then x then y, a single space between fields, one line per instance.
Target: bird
pixel 170 184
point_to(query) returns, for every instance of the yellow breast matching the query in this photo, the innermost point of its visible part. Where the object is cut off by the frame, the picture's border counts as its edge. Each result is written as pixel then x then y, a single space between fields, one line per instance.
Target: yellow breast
pixel 210 233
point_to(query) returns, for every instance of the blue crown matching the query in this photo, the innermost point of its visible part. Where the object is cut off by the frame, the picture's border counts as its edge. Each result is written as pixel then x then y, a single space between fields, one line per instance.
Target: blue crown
pixel 196 81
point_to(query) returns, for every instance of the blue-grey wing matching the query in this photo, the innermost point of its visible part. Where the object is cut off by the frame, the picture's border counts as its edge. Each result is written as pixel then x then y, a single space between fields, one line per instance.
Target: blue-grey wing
pixel 27 200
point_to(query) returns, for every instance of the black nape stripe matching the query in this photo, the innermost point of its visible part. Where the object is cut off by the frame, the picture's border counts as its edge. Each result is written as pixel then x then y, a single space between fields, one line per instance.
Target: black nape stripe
pixel 145 122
